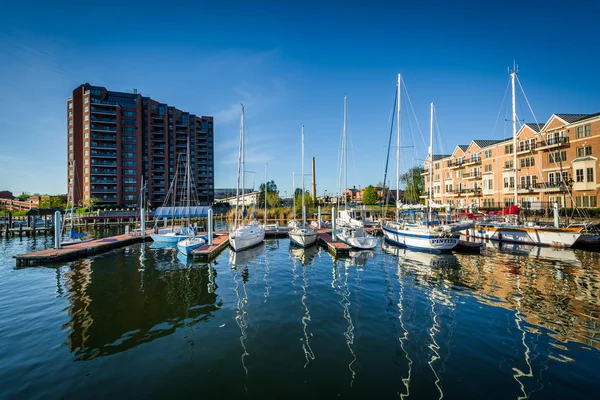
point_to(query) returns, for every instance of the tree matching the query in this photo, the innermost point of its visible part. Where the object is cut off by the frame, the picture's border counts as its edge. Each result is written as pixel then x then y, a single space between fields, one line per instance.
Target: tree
pixel 23 196
pixel 414 183
pixel 370 196
pixel 308 203
pixel 271 190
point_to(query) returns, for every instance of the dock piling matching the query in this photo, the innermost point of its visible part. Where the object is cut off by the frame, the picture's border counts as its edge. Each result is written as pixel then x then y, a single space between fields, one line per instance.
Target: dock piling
pixel 210 226
pixel 143 221
pixel 319 217
pixel 57 230
pixel 333 225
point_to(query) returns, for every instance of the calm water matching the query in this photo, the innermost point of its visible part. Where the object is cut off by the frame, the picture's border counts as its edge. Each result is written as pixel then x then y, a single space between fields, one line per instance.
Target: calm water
pixel 276 321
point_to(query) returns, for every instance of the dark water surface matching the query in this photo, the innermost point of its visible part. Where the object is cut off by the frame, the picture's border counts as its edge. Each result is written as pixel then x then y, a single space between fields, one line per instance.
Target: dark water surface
pixel 275 321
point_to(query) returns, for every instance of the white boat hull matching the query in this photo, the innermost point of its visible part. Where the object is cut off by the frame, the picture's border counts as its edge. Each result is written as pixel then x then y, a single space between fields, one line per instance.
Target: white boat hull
pixel 540 236
pixel 246 237
pixel 361 241
pixel 303 239
pixel 426 241
pixel 167 238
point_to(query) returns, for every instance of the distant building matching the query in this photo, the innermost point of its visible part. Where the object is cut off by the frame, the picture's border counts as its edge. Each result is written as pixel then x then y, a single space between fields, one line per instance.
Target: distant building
pixel 556 162
pixel 222 193
pixel 116 139
pixel 5 194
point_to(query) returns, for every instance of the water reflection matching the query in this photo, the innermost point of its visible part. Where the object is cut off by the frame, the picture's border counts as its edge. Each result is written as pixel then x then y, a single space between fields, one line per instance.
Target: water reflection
pixel 340 285
pixel 123 298
pixel 359 258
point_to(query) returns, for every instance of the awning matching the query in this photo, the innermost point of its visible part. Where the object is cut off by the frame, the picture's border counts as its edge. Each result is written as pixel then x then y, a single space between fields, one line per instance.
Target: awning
pixel 181 212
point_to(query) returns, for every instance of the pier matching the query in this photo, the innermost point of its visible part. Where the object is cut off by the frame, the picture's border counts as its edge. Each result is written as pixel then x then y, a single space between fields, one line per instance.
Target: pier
pixel 205 253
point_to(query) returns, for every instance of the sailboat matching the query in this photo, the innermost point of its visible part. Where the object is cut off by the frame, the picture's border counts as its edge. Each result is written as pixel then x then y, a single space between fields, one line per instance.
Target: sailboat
pixel 173 234
pixel 302 234
pixel 191 242
pixel 73 237
pixel 530 233
pixel 418 229
pixel 244 236
pixel 351 232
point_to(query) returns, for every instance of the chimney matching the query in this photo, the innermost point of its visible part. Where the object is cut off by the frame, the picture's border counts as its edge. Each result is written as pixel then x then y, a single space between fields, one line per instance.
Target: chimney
pixel 314 182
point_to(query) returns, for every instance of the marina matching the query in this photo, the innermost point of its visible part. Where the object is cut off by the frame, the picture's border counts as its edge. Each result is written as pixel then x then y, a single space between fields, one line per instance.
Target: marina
pixel 427 324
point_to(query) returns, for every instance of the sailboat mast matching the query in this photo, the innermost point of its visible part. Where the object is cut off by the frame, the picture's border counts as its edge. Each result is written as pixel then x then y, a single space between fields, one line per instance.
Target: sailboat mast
pixel 430 162
pixel 513 75
pixel 265 194
pixel 294 193
pixel 303 213
pixel 397 153
pixel 345 157
pixel 243 168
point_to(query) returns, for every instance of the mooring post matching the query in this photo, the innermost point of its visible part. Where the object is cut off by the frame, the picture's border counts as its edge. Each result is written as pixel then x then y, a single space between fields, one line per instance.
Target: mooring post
pixel 210 226
pixel 143 221
pixel 556 218
pixel 319 217
pixel 333 235
pixel 164 222
pixel 57 230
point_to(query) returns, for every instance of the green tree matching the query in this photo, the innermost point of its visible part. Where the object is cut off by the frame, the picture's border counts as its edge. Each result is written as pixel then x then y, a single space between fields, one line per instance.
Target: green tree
pixel 23 196
pixel 308 203
pixel 271 189
pixel 370 196
pixel 414 183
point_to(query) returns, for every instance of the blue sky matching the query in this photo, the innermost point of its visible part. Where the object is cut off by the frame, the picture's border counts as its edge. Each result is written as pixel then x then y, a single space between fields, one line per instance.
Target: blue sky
pixel 291 63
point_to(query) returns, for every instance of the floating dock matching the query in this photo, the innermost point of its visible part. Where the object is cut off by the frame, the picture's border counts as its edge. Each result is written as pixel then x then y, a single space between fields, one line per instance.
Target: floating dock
pixel 79 250
pixel 337 249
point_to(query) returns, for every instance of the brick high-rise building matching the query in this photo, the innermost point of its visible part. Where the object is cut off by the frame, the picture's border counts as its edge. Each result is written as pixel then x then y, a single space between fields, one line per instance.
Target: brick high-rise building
pixel 115 139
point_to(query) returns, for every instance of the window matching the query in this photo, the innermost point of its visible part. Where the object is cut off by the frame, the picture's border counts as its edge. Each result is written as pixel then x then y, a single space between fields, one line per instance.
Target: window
pixel 86 135
pixel 87 170
pixel 459 173
pixel 86 117
pixel 86 144
pixel 86 126
pixel 128 139
pixel 129 172
pixel 585 201
pixel 86 161
pixel 129 163
pixel 488 168
pixel 129 147
pixel 584 151
pixel 128 130
pixel 87 108
pixel 508 164
pixel 527 162
pixel 487 154
pixel 87 179
pixel 70 147
pixel 128 113
pixel 129 180
pixel 70 106
pixel 557 157
pixel 508 149
pixel 129 189
pixel 584 131
pixel 437 165
pixel 128 155
pixel 70 139
pixel 70 122
pixel 579 175
pixel 86 100
pixel 590 174
pixel 86 153
pixel 449 188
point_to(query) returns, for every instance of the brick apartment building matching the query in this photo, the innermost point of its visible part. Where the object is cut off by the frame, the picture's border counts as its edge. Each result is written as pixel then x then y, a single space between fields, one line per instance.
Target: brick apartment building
pixel 115 139
pixel 555 161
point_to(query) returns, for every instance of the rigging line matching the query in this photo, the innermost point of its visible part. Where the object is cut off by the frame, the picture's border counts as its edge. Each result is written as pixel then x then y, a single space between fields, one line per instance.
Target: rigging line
pixel 387 158
pixel 414 114
pixel 500 110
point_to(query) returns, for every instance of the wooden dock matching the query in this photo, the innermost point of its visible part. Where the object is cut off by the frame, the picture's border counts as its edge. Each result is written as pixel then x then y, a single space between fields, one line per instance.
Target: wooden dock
pixel 208 253
pixel 79 250
pixel 337 249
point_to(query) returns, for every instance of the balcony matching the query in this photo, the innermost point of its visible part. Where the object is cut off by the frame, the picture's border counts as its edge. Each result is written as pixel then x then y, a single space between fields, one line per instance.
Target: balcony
pixel 104 162
pixel 104 154
pixel 552 143
pixel 472 161
pixel 104 137
pixel 104 120
pixel 111 129
pixel 103 111
pixel 551 187
pixel 473 192
pixel 105 190
pixel 105 171
pixel 472 175
pixel 95 145
pixel 456 164
pixel 104 181
pixel 525 148
pixel 528 188
pixel 158 154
